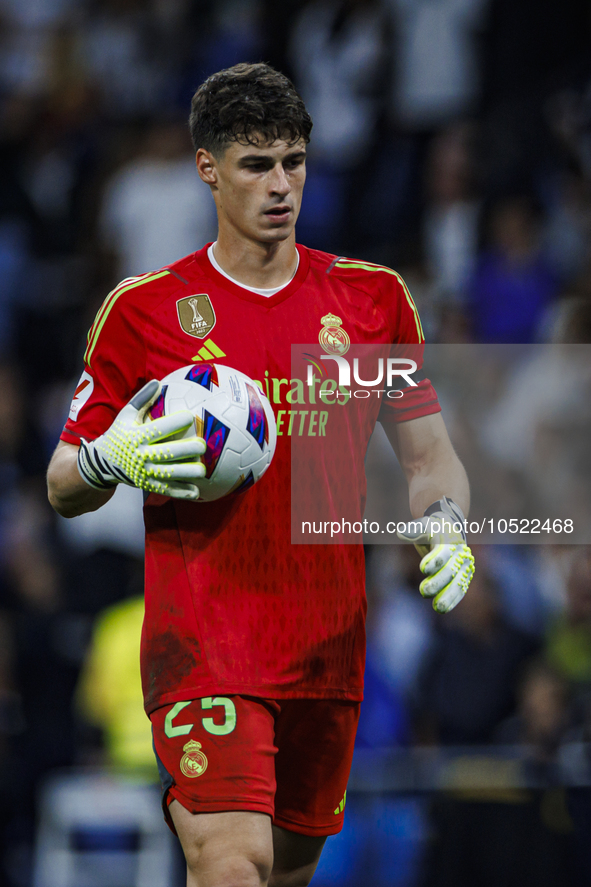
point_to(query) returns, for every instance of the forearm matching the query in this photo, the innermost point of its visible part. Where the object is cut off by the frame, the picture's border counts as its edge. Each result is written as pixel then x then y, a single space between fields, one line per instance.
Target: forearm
pixel 68 494
pixel 430 463
pixel 444 477
pixel 433 471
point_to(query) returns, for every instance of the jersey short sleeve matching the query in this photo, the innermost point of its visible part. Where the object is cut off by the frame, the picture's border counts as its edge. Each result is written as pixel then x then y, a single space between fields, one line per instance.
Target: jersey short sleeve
pixel 409 341
pixel 401 317
pixel 114 367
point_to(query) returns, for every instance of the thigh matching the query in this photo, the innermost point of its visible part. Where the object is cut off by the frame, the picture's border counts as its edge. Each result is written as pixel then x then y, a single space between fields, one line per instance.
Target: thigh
pixel 221 848
pixel 216 755
pixel 315 740
pixel 295 857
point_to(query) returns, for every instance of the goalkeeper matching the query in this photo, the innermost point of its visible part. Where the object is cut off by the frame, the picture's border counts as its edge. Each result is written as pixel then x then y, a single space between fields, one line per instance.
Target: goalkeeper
pixel 253 648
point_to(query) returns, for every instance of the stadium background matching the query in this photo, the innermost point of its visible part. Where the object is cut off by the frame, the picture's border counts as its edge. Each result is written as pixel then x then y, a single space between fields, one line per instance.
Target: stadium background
pixel 452 141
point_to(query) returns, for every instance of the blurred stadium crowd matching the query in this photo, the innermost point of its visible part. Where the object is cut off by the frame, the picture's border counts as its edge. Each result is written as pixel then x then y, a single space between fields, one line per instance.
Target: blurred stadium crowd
pixel 452 141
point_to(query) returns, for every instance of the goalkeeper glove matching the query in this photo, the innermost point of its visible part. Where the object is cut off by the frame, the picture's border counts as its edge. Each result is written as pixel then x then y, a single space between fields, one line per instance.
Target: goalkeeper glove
pixel 141 453
pixel 448 563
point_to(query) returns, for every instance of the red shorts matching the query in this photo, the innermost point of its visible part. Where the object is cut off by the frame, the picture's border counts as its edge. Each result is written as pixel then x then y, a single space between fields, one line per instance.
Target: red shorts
pixel 289 758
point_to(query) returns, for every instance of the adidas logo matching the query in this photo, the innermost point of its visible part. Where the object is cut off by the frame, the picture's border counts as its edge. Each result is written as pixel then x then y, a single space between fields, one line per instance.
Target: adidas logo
pixel 341 806
pixel 209 351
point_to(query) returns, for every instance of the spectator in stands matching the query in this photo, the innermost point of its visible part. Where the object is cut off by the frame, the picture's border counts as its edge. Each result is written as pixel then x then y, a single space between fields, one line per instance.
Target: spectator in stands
pixel 339 57
pixel 450 225
pixel 437 61
pixel 114 54
pixel 543 712
pixel 155 209
pixel 568 641
pixel 18 219
pixel 567 232
pixel 479 655
pixel 399 629
pixel 513 285
pixel 337 52
pixel 109 694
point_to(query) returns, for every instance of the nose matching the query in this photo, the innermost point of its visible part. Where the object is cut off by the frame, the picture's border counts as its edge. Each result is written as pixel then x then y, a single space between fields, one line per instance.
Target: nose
pixel 279 183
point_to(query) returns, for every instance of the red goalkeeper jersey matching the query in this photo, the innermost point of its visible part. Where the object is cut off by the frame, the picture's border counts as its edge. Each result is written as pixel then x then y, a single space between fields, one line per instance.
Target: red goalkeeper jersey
pixel 232 607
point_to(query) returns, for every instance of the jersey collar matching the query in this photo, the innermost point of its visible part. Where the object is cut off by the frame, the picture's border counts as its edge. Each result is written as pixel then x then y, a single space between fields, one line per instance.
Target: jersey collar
pixel 205 267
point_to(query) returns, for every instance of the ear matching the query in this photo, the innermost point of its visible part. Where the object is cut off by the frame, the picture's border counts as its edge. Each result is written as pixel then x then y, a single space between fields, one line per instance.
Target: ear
pixel 206 166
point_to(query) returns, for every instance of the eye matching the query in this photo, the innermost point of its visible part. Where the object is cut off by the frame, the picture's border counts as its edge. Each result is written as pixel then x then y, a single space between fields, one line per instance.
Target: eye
pixel 294 162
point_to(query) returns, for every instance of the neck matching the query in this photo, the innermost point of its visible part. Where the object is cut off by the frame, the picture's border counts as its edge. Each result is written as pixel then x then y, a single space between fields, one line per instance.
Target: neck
pixel 262 265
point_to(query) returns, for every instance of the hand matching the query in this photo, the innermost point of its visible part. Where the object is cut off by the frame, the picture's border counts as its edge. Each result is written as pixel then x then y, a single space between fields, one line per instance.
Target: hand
pixel 447 561
pixel 137 453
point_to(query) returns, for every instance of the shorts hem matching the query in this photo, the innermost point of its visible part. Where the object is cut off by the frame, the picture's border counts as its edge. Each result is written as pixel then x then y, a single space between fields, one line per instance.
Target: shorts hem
pixel 222 806
pixel 312 831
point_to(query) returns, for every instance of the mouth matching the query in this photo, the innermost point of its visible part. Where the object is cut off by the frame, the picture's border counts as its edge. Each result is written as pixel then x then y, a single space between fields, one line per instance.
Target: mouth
pixel 279 214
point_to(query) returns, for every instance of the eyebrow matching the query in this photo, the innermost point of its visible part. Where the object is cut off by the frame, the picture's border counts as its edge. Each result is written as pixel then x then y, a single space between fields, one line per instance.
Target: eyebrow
pixel 257 158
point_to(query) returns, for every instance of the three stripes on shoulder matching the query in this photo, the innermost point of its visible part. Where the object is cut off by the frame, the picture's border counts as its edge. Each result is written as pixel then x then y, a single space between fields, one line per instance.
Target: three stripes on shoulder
pixel 369 266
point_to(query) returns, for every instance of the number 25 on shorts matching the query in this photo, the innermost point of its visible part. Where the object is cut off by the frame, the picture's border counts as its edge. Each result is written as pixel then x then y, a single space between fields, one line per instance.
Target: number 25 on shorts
pixel 209 724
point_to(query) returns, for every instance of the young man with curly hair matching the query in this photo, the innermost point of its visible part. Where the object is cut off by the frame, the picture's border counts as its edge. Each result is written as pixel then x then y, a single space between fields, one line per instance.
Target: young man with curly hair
pixel 252 648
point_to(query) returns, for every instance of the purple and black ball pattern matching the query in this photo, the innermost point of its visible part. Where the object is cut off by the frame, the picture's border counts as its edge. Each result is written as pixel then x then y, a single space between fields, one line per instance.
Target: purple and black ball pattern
pixel 204 375
pixel 257 420
pixel 215 435
pixel 157 408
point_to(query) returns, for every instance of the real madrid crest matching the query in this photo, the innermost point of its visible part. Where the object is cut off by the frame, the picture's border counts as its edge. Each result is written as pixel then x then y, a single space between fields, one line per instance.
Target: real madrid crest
pixel 193 762
pixel 332 336
pixel 196 315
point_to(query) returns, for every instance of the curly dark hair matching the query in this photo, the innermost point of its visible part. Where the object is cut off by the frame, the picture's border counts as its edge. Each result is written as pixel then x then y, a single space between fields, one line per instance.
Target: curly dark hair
pixel 247 104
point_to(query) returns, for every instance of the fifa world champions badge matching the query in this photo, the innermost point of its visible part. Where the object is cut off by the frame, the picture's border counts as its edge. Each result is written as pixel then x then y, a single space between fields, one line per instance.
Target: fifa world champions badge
pixel 332 336
pixel 196 315
pixel 193 762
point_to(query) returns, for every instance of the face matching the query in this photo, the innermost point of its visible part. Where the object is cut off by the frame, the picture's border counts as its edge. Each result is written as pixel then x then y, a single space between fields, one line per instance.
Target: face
pixel 257 189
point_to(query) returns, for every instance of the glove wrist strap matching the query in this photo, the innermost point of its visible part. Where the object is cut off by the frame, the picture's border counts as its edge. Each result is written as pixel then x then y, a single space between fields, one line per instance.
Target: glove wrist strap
pixel 89 470
pixel 450 510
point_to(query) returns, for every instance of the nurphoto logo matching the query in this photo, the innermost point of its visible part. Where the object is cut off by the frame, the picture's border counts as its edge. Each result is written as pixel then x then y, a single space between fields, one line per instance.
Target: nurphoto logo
pixel 401 367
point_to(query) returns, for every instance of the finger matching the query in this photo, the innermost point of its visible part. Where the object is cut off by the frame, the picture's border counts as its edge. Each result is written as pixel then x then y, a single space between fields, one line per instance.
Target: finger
pixel 451 596
pixel 146 396
pixel 434 584
pixel 436 558
pixel 166 426
pixel 188 447
pixel 189 492
pixel 175 491
pixel 176 471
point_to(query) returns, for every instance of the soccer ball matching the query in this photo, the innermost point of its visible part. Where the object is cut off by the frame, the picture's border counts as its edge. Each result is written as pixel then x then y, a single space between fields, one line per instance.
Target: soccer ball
pixel 234 418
